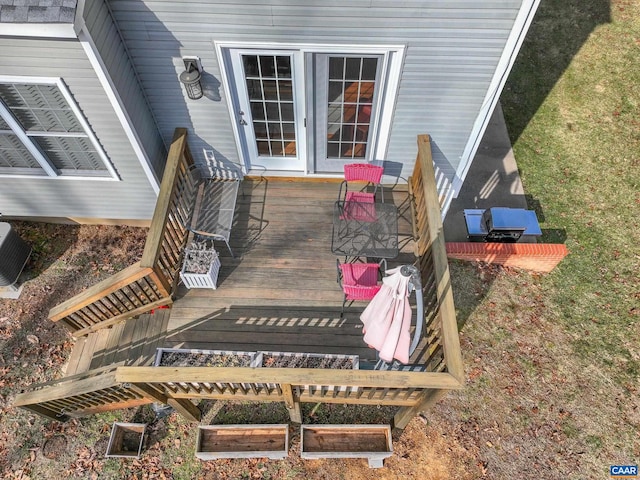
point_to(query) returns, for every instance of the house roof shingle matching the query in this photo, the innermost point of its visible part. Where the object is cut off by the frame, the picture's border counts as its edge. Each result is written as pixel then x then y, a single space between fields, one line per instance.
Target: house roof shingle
pixel 37 11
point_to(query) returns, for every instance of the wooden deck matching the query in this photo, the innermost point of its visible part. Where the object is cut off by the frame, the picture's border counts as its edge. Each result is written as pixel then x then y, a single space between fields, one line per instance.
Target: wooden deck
pixel 279 293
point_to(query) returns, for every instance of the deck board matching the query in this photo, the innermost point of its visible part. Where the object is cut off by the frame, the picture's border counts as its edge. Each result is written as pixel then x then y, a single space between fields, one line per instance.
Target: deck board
pixel 74 358
pixel 279 293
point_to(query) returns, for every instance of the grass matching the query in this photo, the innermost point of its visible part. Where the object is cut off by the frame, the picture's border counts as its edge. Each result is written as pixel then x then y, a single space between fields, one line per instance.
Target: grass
pixel 579 157
pixel 553 361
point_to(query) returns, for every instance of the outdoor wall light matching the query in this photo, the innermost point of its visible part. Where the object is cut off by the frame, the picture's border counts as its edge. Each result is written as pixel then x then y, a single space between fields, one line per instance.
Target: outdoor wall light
pixel 190 78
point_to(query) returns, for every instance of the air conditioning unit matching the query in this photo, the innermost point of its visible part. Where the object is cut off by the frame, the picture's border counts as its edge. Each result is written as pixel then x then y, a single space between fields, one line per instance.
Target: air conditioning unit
pixel 14 253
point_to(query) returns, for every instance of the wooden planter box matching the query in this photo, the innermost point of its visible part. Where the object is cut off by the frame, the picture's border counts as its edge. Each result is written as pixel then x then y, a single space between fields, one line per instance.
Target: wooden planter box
pixel 219 358
pixel 208 358
pixel 311 360
pixel 372 442
pixel 201 280
pixel 126 440
pixel 243 441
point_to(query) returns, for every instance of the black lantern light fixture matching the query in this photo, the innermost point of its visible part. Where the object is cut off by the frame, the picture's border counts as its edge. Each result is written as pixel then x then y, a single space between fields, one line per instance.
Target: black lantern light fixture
pixel 190 78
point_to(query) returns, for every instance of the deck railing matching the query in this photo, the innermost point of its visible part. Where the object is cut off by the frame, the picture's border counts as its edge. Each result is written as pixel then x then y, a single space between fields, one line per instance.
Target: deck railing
pixel 149 283
pixel 92 392
pixel 124 387
pixel 432 254
pixel 412 391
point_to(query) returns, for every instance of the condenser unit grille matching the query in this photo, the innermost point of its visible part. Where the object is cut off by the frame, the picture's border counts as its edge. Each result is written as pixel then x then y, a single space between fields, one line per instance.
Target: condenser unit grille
pixel 14 253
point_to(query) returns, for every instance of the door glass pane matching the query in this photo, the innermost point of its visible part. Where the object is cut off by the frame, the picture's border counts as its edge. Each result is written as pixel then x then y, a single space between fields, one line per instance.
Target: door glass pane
pixel 250 65
pixel 369 68
pixel 285 90
pixel 351 92
pixel 257 110
pixel 284 67
pixel 336 68
pixel 286 110
pixel 267 66
pixel 268 79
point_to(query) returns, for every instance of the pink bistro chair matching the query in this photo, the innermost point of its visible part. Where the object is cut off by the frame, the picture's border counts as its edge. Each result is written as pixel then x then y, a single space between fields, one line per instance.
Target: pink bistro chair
pixel 364 174
pixel 359 281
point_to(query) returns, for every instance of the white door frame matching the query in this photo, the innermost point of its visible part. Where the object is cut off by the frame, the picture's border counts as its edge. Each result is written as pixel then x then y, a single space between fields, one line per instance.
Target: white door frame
pixel 394 58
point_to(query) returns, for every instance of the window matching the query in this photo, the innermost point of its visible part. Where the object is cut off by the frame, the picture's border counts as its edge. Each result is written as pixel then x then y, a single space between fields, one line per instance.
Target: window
pixel 42 132
pixel 351 92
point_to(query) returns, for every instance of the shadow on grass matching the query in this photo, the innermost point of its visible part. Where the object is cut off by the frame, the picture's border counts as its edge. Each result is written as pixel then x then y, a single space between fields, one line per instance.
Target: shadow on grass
pixel 312 413
pixel 48 242
pixel 559 30
pixel 471 282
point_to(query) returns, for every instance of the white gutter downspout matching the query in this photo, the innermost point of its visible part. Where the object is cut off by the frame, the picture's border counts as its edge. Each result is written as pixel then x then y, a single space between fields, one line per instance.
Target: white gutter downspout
pixel 116 101
pixel 507 59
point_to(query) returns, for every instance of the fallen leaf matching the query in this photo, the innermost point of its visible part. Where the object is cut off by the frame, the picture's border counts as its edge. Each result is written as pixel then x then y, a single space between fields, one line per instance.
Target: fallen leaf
pixel 33 339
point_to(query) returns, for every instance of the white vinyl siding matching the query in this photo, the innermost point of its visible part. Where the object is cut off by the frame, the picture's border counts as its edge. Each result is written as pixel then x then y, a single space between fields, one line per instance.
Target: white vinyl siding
pixel 121 72
pixel 126 196
pixel 452 50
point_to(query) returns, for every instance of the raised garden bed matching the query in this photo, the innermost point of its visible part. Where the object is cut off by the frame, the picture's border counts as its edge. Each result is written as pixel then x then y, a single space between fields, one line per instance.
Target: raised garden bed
pixel 372 442
pixel 311 360
pixel 243 441
pixel 126 440
pixel 179 357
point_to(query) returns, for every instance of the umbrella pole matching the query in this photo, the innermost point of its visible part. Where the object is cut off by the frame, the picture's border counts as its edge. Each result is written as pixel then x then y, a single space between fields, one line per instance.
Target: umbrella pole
pixel 416 284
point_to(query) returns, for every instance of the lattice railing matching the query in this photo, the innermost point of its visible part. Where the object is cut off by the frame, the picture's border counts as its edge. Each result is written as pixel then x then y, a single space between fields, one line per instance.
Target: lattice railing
pixel 149 283
pixel 92 392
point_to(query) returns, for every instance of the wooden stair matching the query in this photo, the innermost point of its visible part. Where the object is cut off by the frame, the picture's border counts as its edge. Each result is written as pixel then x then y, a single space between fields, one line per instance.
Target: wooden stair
pixel 132 342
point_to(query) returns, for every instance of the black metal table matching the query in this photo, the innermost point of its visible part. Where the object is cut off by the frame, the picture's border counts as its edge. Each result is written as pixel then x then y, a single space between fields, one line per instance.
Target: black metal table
pixel 365 229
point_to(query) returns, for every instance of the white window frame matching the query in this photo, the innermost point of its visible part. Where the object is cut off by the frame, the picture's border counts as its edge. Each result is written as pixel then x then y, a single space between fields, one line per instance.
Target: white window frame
pixel 47 166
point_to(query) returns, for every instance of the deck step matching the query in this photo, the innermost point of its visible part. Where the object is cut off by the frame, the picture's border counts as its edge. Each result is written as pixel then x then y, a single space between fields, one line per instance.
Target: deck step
pixel 130 342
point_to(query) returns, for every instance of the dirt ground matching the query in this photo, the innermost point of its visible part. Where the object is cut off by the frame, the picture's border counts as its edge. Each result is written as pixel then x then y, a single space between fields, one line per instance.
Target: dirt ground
pixel 526 412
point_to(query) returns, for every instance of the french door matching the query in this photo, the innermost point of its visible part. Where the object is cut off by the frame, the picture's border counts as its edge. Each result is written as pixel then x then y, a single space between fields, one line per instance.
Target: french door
pixel 345 101
pixel 270 111
pixel 304 111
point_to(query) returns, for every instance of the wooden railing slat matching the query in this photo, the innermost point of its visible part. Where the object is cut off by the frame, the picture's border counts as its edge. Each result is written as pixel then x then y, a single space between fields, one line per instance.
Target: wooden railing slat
pixel 153 245
pixel 105 287
pixel 295 376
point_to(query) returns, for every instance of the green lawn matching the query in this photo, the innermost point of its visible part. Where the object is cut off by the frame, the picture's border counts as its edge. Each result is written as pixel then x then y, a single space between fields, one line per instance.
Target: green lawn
pixel 579 156
pixel 554 360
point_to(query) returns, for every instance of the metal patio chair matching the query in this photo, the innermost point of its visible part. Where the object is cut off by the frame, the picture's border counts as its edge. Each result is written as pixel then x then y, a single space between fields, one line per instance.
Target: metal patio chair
pixel 216 205
pixel 362 175
pixel 359 281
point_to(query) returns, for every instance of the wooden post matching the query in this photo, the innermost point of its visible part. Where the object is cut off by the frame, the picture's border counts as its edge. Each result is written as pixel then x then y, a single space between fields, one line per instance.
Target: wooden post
pixel 295 413
pixel 183 406
pixel 427 400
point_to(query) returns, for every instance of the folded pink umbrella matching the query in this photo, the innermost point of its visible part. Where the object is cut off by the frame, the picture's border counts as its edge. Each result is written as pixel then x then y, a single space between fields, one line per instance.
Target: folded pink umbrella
pixel 387 318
